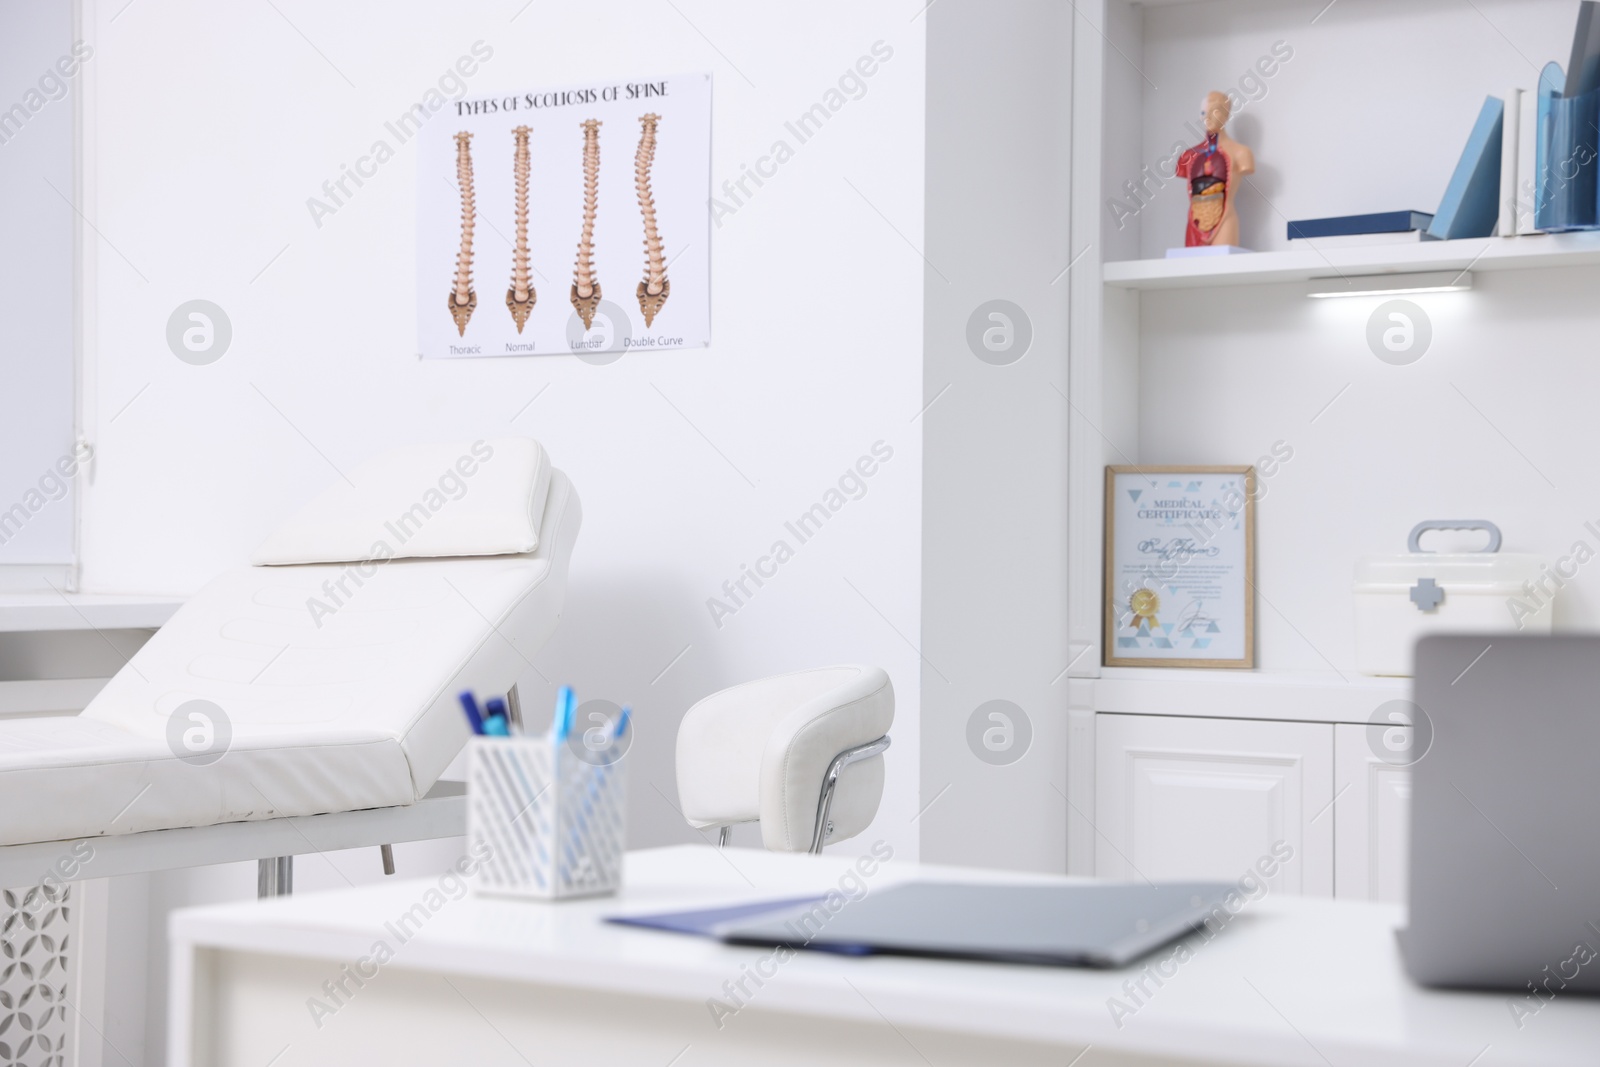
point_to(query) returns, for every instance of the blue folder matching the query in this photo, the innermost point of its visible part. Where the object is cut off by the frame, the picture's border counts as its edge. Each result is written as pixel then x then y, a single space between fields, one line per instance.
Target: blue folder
pixel 704 921
pixel 712 922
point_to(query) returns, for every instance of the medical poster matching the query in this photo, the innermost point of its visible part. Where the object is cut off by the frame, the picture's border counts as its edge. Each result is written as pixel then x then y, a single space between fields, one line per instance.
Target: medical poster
pixel 569 221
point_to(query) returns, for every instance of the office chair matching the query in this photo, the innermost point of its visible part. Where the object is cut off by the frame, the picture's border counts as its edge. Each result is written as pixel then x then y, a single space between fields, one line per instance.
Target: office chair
pixel 801 753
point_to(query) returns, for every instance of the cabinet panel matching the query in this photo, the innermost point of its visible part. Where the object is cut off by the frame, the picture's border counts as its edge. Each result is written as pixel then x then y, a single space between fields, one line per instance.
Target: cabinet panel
pixel 1372 818
pixel 1207 798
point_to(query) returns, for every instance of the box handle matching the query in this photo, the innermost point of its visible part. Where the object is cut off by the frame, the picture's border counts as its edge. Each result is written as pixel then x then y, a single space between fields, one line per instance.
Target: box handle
pixel 1415 543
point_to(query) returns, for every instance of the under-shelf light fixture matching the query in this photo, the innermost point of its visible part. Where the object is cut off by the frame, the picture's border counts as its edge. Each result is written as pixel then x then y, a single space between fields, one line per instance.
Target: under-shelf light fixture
pixel 1446 281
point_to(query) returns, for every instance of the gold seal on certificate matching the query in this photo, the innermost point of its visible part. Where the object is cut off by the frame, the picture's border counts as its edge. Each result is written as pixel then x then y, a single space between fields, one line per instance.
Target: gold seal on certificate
pixel 1180 567
pixel 1145 603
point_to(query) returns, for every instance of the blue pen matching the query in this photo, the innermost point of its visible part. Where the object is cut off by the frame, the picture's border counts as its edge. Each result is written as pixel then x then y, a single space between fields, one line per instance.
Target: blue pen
pixel 469 705
pixel 622 723
pixel 555 715
pixel 496 723
pixel 566 703
pixel 560 709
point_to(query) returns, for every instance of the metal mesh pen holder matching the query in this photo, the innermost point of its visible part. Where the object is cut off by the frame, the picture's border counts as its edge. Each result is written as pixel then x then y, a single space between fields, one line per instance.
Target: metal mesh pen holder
pixel 553 821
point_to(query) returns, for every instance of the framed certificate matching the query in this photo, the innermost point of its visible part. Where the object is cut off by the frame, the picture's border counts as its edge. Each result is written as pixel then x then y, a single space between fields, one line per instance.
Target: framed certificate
pixel 1180 567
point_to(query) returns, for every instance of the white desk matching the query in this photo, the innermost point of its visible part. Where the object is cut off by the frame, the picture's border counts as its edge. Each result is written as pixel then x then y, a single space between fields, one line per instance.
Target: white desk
pixel 488 982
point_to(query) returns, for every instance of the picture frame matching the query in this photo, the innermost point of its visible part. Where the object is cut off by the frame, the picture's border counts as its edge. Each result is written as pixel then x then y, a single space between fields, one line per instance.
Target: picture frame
pixel 1180 541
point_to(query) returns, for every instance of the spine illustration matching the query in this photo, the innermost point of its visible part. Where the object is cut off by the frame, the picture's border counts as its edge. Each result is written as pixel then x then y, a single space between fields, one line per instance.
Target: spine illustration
pixel 655 288
pixel 585 286
pixel 520 297
pixel 463 299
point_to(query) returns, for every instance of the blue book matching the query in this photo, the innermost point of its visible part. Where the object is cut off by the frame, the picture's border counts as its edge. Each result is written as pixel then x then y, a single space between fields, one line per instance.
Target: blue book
pixel 1565 169
pixel 1583 72
pixel 1352 225
pixel 1471 204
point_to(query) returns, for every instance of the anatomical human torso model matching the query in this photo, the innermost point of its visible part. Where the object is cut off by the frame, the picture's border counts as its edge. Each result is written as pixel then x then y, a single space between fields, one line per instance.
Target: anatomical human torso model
pixel 1214 170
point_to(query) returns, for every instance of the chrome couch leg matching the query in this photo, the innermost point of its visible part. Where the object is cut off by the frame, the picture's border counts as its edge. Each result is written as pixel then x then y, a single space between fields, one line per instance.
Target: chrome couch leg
pixel 274 877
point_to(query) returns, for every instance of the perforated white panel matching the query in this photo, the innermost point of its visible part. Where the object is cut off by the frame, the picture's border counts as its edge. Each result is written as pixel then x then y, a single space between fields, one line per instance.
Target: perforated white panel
pixel 38 936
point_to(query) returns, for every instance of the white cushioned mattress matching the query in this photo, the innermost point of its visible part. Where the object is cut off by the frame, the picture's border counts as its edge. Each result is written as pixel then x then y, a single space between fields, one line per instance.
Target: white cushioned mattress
pixel 337 695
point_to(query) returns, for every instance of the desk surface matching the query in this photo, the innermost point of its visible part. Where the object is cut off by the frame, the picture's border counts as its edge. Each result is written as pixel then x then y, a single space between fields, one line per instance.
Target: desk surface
pixel 1289 981
pixel 27 612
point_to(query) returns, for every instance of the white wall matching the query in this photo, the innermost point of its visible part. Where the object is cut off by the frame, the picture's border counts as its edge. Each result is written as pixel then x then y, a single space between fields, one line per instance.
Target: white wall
pixel 1458 434
pixel 1483 426
pixel 209 127
pixel 994 508
pixel 203 159
pixel 1369 114
pixel 37 278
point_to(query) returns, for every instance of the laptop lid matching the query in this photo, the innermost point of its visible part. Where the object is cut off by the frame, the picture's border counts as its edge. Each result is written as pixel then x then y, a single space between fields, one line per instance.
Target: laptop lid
pixel 1505 814
pixel 1087 925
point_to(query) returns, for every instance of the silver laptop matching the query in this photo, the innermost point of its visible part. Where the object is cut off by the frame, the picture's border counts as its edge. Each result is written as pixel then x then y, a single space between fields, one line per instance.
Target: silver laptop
pixel 1083 925
pixel 1505 815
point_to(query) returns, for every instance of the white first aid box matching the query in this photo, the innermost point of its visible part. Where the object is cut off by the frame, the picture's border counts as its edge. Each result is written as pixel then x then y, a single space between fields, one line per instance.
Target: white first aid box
pixel 1402 597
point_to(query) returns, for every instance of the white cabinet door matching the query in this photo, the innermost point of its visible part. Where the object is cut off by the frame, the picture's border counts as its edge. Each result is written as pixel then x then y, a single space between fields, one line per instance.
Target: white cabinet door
pixel 1208 798
pixel 1372 815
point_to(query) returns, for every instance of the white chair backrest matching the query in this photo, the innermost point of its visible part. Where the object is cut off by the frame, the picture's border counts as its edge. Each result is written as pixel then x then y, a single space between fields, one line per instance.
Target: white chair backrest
pixel 759 752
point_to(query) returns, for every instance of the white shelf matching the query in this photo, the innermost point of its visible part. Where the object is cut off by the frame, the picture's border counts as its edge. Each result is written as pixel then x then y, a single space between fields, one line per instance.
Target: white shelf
pixel 31 612
pixel 1296 696
pixel 1532 252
